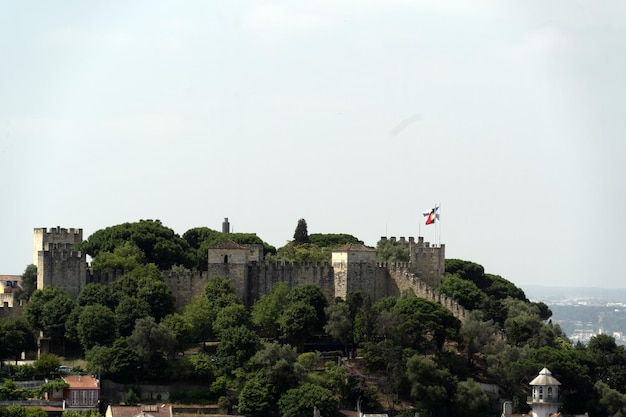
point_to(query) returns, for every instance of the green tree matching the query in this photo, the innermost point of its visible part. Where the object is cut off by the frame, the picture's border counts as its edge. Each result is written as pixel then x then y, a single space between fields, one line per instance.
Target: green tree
pixel 297 322
pixel 278 366
pixel 28 285
pixel 430 386
pixel 267 310
pixel 612 401
pixel 47 364
pixel 96 293
pixel 312 295
pixel 146 283
pixel 48 309
pixel 16 336
pixel 500 288
pixel 255 399
pixel 332 240
pixel 9 390
pixel 125 257
pixel 301 234
pixel 385 359
pixel 181 329
pixel 152 340
pixel 610 361
pixel 237 346
pixel 125 360
pixel 390 251
pixel 96 325
pixel 470 400
pixel 131 397
pixel 158 295
pixel 158 243
pixel 477 334
pixel 231 316
pixel 200 239
pixel 465 292
pixel 300 401
pixel 200 315
pixel 364 317
pixel 339 324
pixel 425 323
pixel 221 292
pixel 127 312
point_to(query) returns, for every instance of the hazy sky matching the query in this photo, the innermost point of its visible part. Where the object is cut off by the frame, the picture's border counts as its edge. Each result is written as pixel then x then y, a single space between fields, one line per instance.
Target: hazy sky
pixel 354 115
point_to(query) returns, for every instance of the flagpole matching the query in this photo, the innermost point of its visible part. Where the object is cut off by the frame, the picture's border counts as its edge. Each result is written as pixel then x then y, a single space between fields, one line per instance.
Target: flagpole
pixel 440 226
pixel 435 228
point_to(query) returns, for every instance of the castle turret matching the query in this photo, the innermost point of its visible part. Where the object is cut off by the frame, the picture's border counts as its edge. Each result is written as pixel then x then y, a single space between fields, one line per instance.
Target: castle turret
pixel 545 394
pixel 353 264
pixel 58 264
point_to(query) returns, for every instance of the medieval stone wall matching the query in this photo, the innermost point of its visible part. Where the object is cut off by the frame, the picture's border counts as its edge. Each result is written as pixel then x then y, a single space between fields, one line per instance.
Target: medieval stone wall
pixel 185 286
pixel 60 266
pixel 404 279
pixel 264 276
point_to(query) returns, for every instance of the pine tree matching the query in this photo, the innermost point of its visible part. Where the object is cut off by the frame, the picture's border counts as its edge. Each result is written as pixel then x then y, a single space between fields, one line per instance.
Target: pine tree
pixel 301 235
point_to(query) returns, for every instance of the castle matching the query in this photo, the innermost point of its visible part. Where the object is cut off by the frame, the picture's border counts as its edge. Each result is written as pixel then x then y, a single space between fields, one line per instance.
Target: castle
pixel 353 268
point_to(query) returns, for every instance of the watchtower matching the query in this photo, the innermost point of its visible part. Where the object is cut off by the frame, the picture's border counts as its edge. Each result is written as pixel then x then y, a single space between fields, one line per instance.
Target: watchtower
pixel 230 260
pixel 354 268
pixel 426 260
pixel 58 264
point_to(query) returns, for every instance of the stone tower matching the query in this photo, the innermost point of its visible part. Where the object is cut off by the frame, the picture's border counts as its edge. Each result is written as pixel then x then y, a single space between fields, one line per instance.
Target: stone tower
pixel 230 260
pixel 354 266
pixel 545 394
pixel 58 264
pixel 427 261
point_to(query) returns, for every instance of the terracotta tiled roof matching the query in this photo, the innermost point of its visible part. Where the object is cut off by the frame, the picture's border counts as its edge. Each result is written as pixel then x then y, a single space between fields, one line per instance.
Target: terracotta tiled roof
pixel 81 381
pixel 228 244
pixel 354 247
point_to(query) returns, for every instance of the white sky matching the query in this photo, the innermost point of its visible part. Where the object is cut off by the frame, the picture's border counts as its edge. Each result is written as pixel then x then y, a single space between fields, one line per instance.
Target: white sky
pixel 354 115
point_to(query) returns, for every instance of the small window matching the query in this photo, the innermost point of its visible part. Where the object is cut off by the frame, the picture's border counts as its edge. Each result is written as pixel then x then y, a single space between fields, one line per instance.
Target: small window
pixel 225 259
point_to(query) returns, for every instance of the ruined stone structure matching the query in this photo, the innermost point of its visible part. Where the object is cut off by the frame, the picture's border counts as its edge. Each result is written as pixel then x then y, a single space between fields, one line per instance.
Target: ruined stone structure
pixel 353 268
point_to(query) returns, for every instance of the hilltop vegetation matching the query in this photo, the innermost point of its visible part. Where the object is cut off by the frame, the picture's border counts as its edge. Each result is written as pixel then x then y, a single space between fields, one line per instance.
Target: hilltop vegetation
pixel 407 354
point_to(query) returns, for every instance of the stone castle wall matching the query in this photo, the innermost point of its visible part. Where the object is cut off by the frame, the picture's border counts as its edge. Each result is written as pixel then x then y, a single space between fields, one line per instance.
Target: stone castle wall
pixel 185 286
pixel 404 279
pixel 60 266
pixel 264 276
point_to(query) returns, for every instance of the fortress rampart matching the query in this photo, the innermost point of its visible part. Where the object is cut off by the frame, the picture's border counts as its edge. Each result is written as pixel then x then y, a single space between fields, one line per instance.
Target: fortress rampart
pixel 353 268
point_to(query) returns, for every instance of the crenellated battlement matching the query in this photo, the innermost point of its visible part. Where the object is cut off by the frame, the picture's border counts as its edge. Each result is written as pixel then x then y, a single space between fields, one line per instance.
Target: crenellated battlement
pixel 59 231
pixel 281 264
pixel 63 254
pixel 353 268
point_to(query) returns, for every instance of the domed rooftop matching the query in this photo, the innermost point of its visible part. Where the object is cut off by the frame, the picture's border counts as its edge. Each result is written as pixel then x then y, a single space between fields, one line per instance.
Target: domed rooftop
pixel 545 378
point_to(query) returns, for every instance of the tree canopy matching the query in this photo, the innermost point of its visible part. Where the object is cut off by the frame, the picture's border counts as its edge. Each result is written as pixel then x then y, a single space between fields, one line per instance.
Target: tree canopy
pixel 158 243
